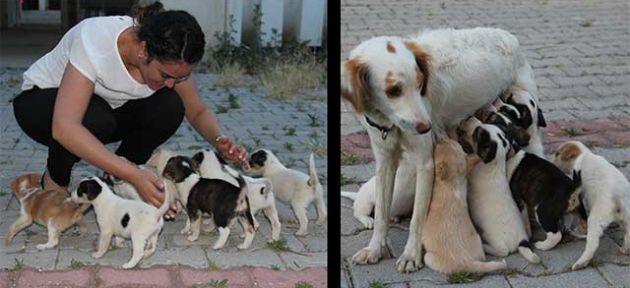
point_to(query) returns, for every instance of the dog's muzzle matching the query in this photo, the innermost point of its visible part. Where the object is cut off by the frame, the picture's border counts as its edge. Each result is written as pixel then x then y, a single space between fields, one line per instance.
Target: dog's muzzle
pixel 423 127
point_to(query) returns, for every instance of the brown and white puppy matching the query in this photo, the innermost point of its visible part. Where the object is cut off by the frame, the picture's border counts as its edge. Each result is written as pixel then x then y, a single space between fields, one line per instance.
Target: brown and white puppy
pixel 292 186
pixel 52 209
pixel 217 197
pixel 492 207
pixel 449 237
pixel 606 194
pixel 116 216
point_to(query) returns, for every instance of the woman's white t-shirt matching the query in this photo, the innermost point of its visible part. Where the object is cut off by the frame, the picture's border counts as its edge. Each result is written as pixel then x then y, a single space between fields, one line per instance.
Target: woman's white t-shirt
pixel 91 47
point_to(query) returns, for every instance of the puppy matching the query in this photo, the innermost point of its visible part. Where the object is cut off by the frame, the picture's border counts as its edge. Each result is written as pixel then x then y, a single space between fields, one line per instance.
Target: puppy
pixel 126 190
pixel 121 217
pixel 402 199
pixel 259 191
pixel 52 209
pixel 606 194
pixel 448 235
pixel 539 186
pixel 292 186
pixel 216 197
pixel 492 208
pixel 490 114
pixel 531 118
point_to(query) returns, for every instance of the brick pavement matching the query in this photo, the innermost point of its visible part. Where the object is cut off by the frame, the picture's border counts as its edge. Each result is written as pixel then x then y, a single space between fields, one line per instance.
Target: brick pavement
pixel 292 128
pixel 580 52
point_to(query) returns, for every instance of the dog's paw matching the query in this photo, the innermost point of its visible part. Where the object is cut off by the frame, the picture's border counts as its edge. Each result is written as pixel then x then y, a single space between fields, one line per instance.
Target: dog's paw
pixel 408 264
pixel 243 246
pixel 97 254
pixel 118 242
pixel 192 238
pixel 43 246
pixel 320 221
pixel 579 265
pixel 368 222
pixel 366 256
pixel 185 231
pixel 128 265
pixel 242 236
pixel 218 246
pixel 301 232
pixel 625 250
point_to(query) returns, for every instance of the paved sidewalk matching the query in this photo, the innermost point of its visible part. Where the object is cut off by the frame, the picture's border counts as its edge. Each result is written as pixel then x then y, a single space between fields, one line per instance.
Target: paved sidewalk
pixel 292 128
pixel 580 52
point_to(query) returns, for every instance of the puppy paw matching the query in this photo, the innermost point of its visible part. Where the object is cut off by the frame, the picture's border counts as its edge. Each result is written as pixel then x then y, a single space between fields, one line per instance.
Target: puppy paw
pixel 185 231
pixel 192 238
pixel 407 264
pixel 242 236
pixel 128 266
pixel 366 256
pixel 97 254
pixel 579 265
pixel 301 232
pixel 367 222
pixel 242 246
pixel 43 246
pixel 217 246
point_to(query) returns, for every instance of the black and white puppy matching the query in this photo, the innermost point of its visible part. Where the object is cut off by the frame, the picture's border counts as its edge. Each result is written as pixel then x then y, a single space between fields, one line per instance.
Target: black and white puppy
pixel 540 187
pixel 516 135
pixel 121 217
pixel 217 197
pixel 531 117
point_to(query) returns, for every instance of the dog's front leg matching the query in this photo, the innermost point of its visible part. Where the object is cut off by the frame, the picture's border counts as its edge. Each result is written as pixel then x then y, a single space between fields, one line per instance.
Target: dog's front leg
pixel 249 233
pixel 195 227
pixel 410 260
pixel 387 159
pixel 53 237
pixel 103 244
pixel 138 242
pixel 17 226
pixel 272 215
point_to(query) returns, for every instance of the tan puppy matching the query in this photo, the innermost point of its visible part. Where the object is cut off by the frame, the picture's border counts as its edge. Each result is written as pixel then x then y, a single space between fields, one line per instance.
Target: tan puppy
pixel 448 235
pixel 52 209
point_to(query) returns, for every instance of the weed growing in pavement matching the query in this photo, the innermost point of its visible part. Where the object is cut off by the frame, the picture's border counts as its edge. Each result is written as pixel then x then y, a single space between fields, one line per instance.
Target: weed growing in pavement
pixel 220 109
pixel 229 76
pixel 264 128
pixel 571 132
pixel 2 193
pixel 288 146
pixel 257 141
pixel 314 120
pixel 275 267
pixel 280 245
pixel 303 284
pixel 19 264
pixel 376 284
pixel 29 233
pixel 233 99
pixel 349 158
pixel 289 131
pixel 213 266
pixel 195 147
pixel 75 264
pixel 463 277
pixel 218 284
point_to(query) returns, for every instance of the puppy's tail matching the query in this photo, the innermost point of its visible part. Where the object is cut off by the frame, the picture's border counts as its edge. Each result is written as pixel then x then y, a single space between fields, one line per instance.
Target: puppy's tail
pixel 349 195
pixel 312 179
pixel 525 249
pixel 478 266
pixel 166 204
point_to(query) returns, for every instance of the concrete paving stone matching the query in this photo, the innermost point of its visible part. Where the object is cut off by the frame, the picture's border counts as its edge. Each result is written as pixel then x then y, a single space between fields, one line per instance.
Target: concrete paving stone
pixel 616 275
pixel 67 257
pixel 316 277
pixel 192 256
pixel 397 237
pixel 354 243
pixel 79 278
pixel 41 260
pixel 494 281
pixel 235 278
pixel 255 258
pixel 385 272
pixel 5 278
pixel 315 243
pixel 349 224
pixel 359 173
pixel 583 278
pixel 108 277
pixel 295 261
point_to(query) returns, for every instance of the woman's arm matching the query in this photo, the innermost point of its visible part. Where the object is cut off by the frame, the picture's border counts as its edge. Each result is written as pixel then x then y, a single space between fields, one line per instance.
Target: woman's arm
pixel 73 97
pixel 206 124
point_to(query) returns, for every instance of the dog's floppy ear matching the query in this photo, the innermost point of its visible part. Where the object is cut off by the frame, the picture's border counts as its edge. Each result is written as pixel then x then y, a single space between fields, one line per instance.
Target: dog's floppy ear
pixel 355 77
pixel 486 148
pixel 568 152
pixel 526 115
pixel 441 170
pixel 541 119
pixel 90 188
pixel 422 60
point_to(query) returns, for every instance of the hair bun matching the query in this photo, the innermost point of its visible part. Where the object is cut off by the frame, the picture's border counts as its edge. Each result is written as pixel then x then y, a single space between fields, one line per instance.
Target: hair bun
pixel 142 13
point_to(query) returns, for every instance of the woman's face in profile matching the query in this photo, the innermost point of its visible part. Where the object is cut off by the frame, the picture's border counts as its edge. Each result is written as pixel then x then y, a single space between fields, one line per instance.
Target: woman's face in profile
pixel 157 74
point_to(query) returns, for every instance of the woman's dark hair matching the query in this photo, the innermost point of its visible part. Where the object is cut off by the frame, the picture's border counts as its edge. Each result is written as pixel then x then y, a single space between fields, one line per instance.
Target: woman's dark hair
pixel 170 35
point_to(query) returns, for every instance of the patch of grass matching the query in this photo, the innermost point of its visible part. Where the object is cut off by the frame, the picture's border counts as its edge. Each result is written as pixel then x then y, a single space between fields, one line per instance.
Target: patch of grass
pixel 275 267
pixel 285 80
pixel 220 109
pixel 303 284
pixel 288 146
pixel 2 193
pixel 512 273
pixel 586 23
pixel 376 284
pixel 74 264
pixel 343 180
pixel 19 264
pixel 178 136
pixel 349 158
pixel 213 266
pixel 314 135
pixel 233 99
pixel 463 277
pixel 571 132
pixel 289 131
pixel 194 147
pixel 257 141
pixel 16 140
pixel 279 245
pixel 230 75
pixel 314 121
pixel 218 284
pixel 264 128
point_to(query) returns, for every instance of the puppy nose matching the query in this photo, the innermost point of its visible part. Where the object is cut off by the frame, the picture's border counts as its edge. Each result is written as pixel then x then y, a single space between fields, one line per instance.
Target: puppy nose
pixel 423 127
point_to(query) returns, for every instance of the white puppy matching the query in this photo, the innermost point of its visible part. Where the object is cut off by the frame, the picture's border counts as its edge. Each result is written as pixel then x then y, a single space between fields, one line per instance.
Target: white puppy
pixel 122 217
pixel 259 191
pixel 606 194
pixel 292 186
pixel 127 190
pixel 492 208
pixel 402 201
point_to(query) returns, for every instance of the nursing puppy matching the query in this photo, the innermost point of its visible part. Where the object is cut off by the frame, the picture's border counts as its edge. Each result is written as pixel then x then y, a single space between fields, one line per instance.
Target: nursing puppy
pixel 259 191
pixel 402 199
pixel 217 197
pixel 292 186
pixel 52 209
pixel 606 194
pixel 539 186
pixel 492 208
pixel 449 237
pixel 516 135
pixel 116 216
pixel 531 118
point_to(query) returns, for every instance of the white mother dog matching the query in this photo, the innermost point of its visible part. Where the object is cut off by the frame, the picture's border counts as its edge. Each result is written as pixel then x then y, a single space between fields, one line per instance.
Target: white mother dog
pixel 404 87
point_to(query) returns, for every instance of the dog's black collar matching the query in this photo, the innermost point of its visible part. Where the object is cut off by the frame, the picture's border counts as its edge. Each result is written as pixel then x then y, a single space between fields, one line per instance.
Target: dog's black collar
pixel 384 130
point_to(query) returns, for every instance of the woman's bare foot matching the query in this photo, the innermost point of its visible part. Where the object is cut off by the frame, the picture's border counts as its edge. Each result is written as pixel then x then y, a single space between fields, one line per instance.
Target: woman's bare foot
pixel 50 184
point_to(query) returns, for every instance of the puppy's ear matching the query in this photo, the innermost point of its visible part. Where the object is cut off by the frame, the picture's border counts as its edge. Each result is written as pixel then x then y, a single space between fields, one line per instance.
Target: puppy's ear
pixel 441 170
pixel 422 60
pixel 471 161
pixel 198 157
pixel 220 158
pixel 486 148
pixel 355 79
pixel 568 152
pixel 541 119
pixel 90 188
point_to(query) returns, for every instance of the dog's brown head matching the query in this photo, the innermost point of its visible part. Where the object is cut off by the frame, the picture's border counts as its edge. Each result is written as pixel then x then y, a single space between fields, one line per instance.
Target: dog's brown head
pixel 487 141
pixel 451 162
pixel 389 76
pixel 567 153
pixel 25 183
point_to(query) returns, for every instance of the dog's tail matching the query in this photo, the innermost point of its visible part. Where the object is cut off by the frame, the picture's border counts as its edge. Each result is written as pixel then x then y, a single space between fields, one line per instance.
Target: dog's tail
pixel 478 266
pixel 349 195
pixel 312 179
pixel 22 184
pixel 166 204
pixel 525 249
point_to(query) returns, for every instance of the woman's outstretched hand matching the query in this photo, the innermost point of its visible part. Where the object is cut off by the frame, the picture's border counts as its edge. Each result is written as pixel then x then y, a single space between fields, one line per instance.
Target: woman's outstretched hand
pixel 151 189
pixel 232 151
